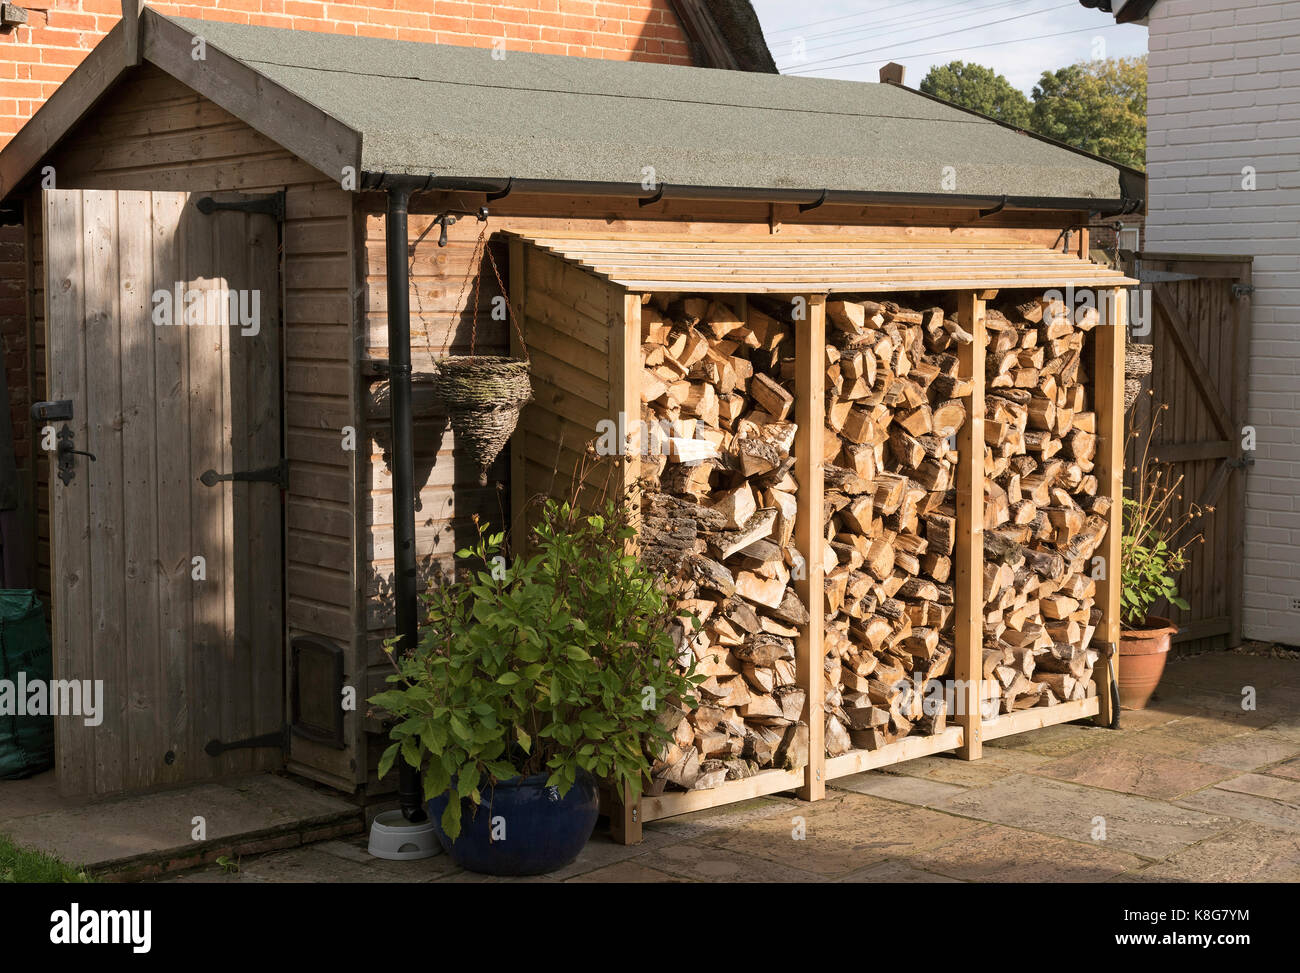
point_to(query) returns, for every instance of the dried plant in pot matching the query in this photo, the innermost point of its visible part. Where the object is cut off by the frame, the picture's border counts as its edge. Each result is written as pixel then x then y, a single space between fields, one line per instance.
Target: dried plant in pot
pixel 1153 551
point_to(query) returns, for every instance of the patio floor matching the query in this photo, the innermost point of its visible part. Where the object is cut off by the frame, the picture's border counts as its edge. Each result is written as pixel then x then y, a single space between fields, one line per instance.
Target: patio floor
pixel 1195 788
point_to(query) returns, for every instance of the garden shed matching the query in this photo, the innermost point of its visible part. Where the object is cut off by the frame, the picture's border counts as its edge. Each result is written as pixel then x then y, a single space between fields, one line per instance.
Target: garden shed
pixel 254 524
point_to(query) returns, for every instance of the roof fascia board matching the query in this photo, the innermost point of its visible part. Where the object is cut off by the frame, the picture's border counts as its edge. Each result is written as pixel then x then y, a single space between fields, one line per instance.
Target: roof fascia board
pixel 305 130
pixel 705 36
pixel 66 106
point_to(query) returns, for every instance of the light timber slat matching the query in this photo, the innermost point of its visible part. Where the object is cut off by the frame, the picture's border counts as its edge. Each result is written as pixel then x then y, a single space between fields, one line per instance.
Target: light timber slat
pixel 1109 394
pixel 788 266
pixel 969 563
pixel 1037 717
pixel 765 782
pixel 909 748
pixel 809 534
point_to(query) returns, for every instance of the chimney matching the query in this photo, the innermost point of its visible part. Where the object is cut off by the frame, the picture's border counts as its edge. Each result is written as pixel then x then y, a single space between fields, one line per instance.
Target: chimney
pixel 891 73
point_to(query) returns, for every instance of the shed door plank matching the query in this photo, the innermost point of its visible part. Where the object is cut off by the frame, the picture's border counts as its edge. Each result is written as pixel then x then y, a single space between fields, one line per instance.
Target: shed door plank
pixel 183 660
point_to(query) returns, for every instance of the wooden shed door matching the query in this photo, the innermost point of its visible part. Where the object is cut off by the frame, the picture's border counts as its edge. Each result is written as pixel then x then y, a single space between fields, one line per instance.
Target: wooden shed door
pixel 1200 335
pixel 164 332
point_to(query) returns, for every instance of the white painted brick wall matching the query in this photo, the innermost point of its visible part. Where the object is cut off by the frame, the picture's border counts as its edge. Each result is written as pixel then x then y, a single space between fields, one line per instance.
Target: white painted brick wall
pixel 1224 93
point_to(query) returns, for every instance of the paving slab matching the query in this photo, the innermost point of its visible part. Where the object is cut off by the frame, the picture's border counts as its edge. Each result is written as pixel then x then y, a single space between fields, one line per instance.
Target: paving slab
pixel 842 835
pixel 1000 854
pixel 1053 741
pixel 994 765
pixel 1218 671
pixel 1290 769
pixel 1140 825
pixel 1132 772
pixel 156 829
pixel 32 795
pixel 898 787
pixel 1264 785
pixel 702 862
pixel 1288 726
pixel 898 872
pixel 1249 852
pixel 1245 807
pixel 1250 751
pixel 631 872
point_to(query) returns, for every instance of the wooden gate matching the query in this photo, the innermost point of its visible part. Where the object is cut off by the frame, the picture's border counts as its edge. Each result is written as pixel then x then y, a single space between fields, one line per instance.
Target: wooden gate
pixel 165 588
pixel 1198 311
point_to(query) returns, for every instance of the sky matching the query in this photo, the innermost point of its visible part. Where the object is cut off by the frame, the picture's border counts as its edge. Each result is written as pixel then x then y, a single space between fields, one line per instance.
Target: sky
pixel 1017 38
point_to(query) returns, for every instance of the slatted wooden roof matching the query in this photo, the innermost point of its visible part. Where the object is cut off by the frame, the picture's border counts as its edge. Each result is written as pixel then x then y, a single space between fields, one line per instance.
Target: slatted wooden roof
pixel 822 264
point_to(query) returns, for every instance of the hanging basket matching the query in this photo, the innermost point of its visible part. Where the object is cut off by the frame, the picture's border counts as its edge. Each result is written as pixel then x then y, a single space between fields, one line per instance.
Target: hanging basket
pixel 1137 364
pixel 482 395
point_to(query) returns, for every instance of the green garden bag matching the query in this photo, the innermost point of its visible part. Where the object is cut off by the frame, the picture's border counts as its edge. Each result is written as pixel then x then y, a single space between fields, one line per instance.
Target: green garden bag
pixel 26 742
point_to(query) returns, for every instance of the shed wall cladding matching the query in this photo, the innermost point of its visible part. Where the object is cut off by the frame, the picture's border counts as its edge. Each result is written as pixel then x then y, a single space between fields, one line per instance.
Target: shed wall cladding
pixel 155 133
pixel 1224 93
pixel 448 490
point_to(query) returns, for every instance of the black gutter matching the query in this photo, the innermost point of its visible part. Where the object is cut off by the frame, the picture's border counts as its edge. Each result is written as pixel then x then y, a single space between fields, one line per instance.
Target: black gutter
pixel 562 187
pixel 410 791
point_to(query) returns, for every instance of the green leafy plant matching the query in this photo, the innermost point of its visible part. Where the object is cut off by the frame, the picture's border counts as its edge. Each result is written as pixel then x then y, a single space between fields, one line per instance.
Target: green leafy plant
pixel 556 662
pixel 1156 540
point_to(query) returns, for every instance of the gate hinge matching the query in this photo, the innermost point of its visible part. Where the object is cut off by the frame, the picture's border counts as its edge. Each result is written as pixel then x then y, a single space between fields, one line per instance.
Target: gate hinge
pixel 1242 290
pixel 277 474
pixel 1242 462
pixel 276 738
pixel 271 205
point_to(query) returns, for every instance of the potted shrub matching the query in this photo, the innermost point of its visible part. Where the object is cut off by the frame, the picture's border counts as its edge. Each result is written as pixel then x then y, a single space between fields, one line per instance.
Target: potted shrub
pixel 534 679
pixel 1153 550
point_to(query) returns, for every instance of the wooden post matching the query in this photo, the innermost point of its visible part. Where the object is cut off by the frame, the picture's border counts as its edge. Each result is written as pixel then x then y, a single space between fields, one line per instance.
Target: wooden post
pixel 1108 377
pixel 518 464
pixel 969 589
pixel 625 400
pixel 624 818
pixel 809 534
pixel 1240 405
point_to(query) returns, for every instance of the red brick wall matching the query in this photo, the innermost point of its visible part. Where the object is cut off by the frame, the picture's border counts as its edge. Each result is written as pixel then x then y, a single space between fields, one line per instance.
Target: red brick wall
pixel 35 58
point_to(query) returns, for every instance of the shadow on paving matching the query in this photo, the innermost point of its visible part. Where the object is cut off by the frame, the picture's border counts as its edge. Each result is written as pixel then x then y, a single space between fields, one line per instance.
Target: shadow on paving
pixel 1195 788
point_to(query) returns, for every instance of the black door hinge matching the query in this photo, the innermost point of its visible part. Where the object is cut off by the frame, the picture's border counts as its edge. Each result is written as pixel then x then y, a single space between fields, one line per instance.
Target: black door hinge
pixel 278 474
pixel 1243 290
pixel 277 738
pixel 272 205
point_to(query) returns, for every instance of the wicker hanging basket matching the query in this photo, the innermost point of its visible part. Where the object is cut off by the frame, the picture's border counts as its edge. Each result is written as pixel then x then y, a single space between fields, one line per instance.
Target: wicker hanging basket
pixel 483 395
pixel 1137 365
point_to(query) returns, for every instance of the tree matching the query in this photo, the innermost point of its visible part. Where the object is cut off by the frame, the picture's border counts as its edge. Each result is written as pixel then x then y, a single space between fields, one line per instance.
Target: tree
pixel 1097 106
pixel 980 89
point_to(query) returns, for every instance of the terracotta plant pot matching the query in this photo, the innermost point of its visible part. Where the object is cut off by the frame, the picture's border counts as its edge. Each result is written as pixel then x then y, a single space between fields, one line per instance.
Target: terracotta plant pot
pixel 1142 655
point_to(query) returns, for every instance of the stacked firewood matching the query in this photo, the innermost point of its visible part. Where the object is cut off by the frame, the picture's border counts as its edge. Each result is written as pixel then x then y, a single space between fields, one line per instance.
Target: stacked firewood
pixel 718 514
pixel 1043 519
pixel 894 406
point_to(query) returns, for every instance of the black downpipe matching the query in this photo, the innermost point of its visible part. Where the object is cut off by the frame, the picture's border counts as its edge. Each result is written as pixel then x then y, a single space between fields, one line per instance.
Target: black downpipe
pixel 410 791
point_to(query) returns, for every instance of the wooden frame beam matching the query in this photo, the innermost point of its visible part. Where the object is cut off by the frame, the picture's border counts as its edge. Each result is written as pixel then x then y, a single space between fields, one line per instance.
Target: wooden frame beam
pixel 968 592
pixel 1108 400
pixel 809 532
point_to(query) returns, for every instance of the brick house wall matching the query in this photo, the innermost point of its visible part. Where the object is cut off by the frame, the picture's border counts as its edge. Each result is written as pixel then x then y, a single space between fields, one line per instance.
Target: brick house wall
pixel 36 57
pixel 1223 94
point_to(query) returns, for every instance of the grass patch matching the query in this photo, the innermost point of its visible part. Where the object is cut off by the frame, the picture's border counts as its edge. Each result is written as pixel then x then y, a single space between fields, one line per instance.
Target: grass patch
pixel 20 865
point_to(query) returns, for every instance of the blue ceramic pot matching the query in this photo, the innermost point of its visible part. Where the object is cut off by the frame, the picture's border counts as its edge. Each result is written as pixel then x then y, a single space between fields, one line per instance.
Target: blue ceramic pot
pixel 542 830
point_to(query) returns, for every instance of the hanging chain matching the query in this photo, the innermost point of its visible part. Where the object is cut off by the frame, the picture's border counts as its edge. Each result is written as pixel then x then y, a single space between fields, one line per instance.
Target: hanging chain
pixel 476 261
pixel 510 307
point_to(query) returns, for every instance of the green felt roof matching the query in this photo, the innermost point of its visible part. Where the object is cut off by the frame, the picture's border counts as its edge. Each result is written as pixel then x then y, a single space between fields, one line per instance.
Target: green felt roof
pixel 461 112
